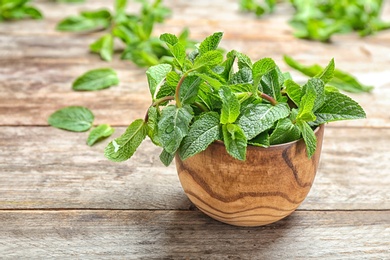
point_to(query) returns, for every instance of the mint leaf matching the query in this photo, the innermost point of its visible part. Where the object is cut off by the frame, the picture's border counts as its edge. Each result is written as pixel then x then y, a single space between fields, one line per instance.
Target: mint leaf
pixel 120 5
pixel 270 84
pixel 235 141
pixel 176 48
pixel 86 21
pixel 309 137
pixel 99 133
pixel 328 73
pixel 202 133
pixel 338 107
pixel 104 46
pixel 189 89
pixel 156 76
pixel 123 147
pixel 262 67
pixel 306 107
pixel 257 118
pixel 319 88
pixel 341 79
pixel 152 124
pixel 243 60
pixel 285 132
pixel 294 91
pixel 210 43
pixel 168 38
pixel 72 118
pixel 96 79
pixel 262 140
pixel 230 106
pixel 166 158
pixel 173 126
pixel 210 59
pixel 244 75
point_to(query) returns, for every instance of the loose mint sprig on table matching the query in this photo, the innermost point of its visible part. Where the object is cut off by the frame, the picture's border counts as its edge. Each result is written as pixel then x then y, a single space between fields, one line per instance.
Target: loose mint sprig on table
pixel 134 30
pixel 200 98
pixel 18 9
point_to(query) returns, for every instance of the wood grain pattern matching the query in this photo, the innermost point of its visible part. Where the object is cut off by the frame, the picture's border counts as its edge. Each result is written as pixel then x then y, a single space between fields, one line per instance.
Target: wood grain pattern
pixel 268 186
pixel 50 180
pixel 192 235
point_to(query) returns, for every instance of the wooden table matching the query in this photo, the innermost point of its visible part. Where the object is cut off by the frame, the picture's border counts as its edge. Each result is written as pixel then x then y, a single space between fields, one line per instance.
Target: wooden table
pixel 60 198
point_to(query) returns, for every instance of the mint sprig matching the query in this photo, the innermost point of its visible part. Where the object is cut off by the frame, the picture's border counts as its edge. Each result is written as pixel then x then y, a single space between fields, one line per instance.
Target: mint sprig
pixel 200 97
pixel 18 9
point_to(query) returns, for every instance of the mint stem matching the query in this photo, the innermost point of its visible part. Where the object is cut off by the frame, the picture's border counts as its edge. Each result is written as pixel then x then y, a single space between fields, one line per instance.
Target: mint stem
pixel 177 96
pixel 269 98
pixel 156 103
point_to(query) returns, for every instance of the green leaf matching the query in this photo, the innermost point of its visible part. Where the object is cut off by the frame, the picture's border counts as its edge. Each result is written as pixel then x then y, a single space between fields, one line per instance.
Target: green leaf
pixel 166 158
pixel 123 147
pixel 152 124
pixel 230 106
pixel 257 118
pixel 338 107
pixel 86 21
pixel 96 79
pixel 306 107
pixel 309 137
pixel 244 75
pixel 294 91
pixel 202 133
pixel 262 67
pixel 341 79
pixel 173 126
pixel 270 84
pixel 168 38
pixel 72 118
pixel 319 88
pixel 189 89
pixel 176 48
pixel 156 76
pixel 235 141
pixel 210 59
pixel 120 5
pixel 104 46
pixel 99 133
pixel 328 73
pixel 210 43
pixel 243 60
pixel 285 132
pixel 262 140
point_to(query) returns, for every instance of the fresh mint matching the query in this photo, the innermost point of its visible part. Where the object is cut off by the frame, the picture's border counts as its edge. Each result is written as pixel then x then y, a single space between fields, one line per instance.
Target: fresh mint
pixel 96 79
pixel 99 133
pixel 202 97
pixel 72 118
pixel 134 30
pixel 18 9
pixel 341 80
pixel 319 20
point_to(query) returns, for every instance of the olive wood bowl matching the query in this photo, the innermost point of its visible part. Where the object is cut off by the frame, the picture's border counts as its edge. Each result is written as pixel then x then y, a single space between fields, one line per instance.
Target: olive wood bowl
pixel 268 186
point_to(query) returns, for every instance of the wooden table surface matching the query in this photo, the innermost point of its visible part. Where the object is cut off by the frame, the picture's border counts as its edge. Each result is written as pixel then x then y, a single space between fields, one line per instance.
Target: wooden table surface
pixel 60 198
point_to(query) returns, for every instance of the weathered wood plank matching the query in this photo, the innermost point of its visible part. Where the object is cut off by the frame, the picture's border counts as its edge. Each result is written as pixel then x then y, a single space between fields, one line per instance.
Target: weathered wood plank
pixel 192 235
pixel 42 167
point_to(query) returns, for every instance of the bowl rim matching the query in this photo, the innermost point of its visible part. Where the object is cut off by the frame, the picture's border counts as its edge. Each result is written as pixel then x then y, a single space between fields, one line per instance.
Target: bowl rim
pixel 274 146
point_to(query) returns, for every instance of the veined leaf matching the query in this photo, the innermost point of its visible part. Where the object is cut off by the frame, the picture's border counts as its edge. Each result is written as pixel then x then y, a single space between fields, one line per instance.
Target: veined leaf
pixel 230 106
pixel 210 43
pixel 262 140
pixel 319 88
pixel 328 73
pixel 202 133
pixel 166 158
pixel 99 133
pixel 338 107
pixel 156 76
pixel 260 117
pixel 235 141
pixel 306 107
pixel 270 84
pixel 152 124
pixel 73 118
pixel 262 67
pixel 294 91
pixel 285 132
pixel 341 79
pixel 309 137
pixel 123 147
pixel 173 126
pixel 189 89
pixel 210 59
pixel 104 46
pixel 244 75
pixel 96 79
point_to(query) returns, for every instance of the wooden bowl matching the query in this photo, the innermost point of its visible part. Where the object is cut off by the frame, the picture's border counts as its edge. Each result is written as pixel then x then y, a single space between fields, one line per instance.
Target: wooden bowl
pixel 265 188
